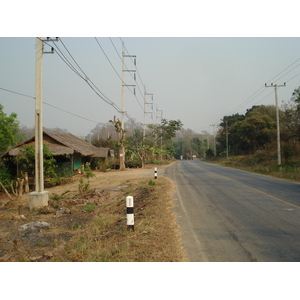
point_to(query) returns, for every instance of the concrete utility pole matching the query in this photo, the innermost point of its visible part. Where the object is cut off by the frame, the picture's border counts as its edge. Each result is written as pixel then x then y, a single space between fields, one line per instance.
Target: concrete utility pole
pixel 157 117
pixel 226 140
pixel 122 148
pixel 39 198
pixel 145 102
pixel 277 120
pixel 215 152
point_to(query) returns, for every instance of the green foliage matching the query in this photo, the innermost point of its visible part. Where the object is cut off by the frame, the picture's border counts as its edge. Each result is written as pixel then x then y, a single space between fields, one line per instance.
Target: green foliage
pixel 290 119
pixel 88 173
pixel 26 161
pixel 151 182
pixel 209 153
pixel 256 131
pixel 250 132
pixel 77 225
pixel 189 144
pixel 8 130
pixel 5 174
pixel 156 145
pixel 83 187
pixel 89 207
pixel 296 97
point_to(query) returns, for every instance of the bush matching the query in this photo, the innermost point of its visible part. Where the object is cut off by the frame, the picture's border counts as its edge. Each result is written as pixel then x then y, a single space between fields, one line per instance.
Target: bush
pixel 26 161
pixel 5 174
pixel 151 182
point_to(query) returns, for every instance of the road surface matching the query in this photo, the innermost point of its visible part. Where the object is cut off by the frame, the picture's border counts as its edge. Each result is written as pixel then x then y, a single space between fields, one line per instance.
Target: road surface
pixel 232 215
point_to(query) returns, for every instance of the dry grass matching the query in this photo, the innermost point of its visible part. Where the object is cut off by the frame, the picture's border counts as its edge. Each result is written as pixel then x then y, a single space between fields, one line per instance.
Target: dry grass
pixel 93 228
pixel 262 163
pixel 106 238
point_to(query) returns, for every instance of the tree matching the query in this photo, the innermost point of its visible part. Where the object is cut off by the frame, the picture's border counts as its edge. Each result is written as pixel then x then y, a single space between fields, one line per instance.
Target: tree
pixel 8 130
pixel 26 161
pixel 290 126
pixel 121 140
pixel 296 97
pixel 250 132
pixel 157 141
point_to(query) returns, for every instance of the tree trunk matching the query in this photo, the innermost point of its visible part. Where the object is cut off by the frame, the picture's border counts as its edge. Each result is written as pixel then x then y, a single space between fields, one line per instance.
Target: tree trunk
pixel 6 192
pixel 26 182
pixel 20 187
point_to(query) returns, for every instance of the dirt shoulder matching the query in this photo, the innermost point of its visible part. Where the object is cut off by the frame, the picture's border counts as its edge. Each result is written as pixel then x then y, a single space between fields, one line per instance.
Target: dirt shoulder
pixel 92 227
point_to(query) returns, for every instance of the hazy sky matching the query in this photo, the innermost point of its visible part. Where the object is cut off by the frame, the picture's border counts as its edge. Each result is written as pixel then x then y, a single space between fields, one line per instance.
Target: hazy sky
pixel 195 80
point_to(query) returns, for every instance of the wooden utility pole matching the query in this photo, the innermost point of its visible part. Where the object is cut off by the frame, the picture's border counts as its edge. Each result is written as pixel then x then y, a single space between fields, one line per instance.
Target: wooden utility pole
pixel 277 120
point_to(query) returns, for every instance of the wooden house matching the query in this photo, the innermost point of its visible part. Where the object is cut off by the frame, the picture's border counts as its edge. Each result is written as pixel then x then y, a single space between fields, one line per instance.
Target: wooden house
pixel 69 151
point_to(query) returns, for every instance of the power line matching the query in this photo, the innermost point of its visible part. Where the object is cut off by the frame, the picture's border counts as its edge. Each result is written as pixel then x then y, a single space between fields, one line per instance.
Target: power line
pixel 253 96
pixel 89 82
pixel 16 93
pixel 108 59
pixel 70 113
pixel 94 87
pixel 293 77
pixel 116 70
pixel 141 81
pixel 284 70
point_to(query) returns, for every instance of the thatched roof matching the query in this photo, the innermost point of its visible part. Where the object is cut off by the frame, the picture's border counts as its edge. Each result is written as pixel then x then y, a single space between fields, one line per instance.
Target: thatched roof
pixel 63 143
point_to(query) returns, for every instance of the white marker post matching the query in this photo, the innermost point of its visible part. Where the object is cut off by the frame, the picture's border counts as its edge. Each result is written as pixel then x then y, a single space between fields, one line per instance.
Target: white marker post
pixel 155 173
pixel 129 212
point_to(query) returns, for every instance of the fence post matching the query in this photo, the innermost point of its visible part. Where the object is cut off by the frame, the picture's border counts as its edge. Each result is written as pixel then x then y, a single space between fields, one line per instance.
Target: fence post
pixel 155 173
pixel 129 212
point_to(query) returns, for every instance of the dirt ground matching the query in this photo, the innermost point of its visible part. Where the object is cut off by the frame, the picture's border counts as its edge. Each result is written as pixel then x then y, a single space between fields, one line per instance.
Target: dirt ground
pixel 38 235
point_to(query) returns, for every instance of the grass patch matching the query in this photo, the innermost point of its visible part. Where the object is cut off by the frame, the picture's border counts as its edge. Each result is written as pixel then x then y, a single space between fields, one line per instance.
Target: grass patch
pixel 89 207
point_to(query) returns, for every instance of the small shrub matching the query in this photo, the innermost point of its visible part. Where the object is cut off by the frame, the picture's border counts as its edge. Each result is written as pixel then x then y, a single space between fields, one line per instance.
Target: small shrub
pixel 77 225
pixel 89 207
pixel 83 187
pixel 151 182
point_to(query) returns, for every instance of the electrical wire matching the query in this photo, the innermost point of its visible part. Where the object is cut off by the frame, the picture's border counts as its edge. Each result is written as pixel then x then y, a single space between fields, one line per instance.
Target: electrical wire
pixel 94 87
pixel 284 70
pixel 140 79
pixel 253 96
pixel 16 93
pixel 116 70
pixel 88 80
pixel 108 60
pixel 293 77
pixel 70 113
pixel 131 74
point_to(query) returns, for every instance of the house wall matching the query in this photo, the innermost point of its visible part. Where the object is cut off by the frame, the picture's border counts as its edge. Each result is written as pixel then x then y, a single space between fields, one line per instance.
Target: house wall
pixel 64 166
pixel 77 161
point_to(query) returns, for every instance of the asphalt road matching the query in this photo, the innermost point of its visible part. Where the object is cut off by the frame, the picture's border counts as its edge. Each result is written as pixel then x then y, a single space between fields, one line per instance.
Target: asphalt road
pixel 236 216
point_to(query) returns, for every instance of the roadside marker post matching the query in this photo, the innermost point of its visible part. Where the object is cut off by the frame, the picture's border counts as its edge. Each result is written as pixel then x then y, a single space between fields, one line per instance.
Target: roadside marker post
pixel 155 173
pixel 129 212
